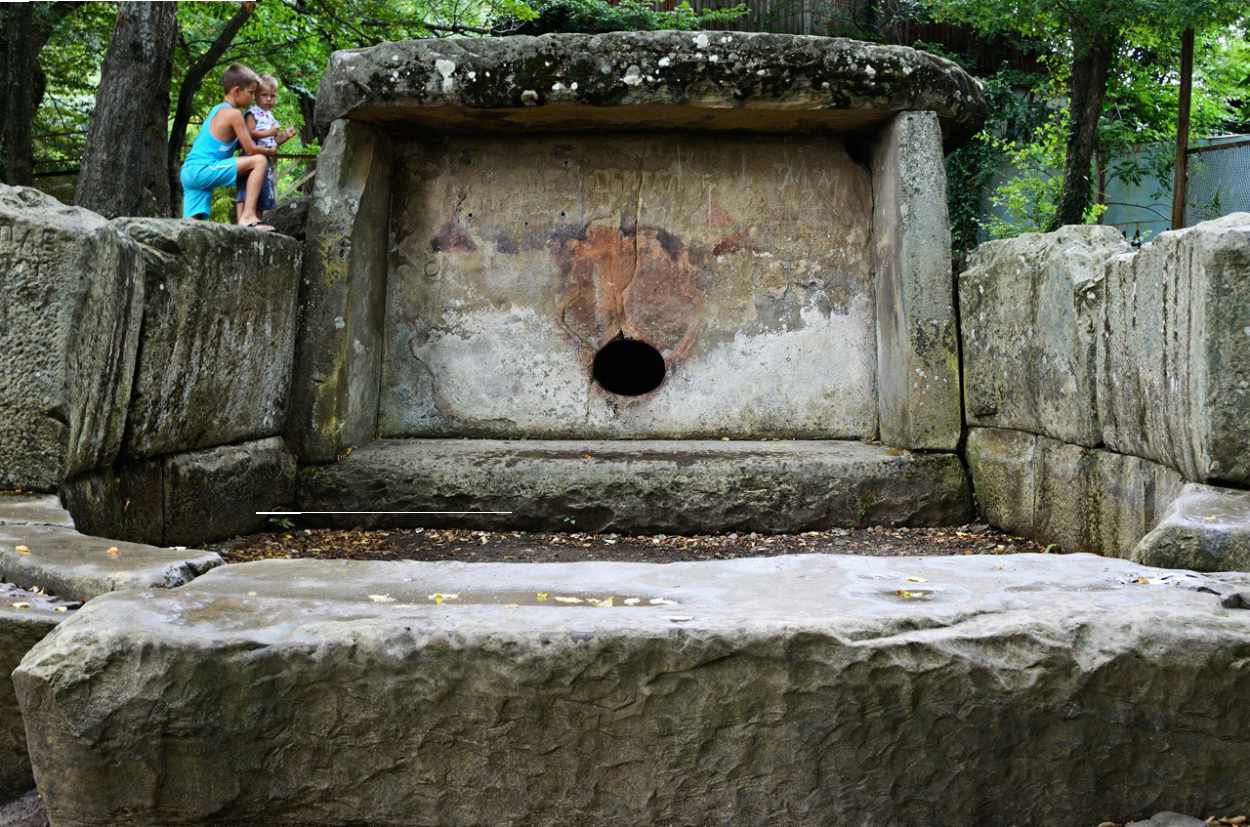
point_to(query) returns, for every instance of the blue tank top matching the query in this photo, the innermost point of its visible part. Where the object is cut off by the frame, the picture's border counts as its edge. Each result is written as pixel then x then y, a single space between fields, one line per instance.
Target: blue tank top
pixel 206 148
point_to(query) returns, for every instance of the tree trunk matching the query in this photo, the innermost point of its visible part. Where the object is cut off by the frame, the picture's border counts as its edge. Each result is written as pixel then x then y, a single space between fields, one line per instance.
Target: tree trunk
pixel 124 170
pixel 1091 62
pixel 15 91
pixel 191 84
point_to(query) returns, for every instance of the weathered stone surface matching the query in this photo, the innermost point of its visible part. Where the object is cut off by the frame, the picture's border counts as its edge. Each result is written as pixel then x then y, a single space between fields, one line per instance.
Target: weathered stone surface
pixel 645 80
pixel 1174 364
pixel 290 217
pixel 184 499
pixel 214 494
pixel 20 629
pixel 1205 529
pixel 746 262
pixel 69 285
pixel 334 388
pixel 1169 820
pixel 27 811
pixel 74 566
pixel 218 335
pixel 1031 314
pixel 1080 499
pixel 640 486
pixel 917 340
pixel 38 509
pixel 795 690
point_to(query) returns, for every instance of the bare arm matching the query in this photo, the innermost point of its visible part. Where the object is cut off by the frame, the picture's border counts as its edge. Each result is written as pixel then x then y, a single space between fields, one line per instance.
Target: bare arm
pixel 250 121
pixel 234 121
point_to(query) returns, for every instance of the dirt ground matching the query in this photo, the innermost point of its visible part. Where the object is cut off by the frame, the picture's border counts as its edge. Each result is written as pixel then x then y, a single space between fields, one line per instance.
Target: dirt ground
pixel 516 546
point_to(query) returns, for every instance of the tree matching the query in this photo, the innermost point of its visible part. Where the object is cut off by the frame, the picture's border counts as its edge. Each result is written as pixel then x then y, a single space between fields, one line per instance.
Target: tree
pixel 190 86
pixel 18 63
pixel 1090 36
pixel 124 171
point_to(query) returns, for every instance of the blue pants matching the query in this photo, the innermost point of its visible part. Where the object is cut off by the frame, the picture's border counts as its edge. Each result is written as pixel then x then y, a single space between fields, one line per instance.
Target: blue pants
pixel 199 181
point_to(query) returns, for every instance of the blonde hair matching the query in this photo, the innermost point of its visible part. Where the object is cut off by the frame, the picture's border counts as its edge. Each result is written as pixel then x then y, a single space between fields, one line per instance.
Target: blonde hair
pixel 238 75
pixel 269 82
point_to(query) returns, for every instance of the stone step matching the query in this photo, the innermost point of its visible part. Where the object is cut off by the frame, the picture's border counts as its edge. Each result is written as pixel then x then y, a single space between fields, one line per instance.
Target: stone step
pixel 677 486
pixel 815 689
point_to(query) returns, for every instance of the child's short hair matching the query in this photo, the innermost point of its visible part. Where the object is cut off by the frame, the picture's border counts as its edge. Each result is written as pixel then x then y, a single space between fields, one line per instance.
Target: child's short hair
pixel 269 82
pixel 237 74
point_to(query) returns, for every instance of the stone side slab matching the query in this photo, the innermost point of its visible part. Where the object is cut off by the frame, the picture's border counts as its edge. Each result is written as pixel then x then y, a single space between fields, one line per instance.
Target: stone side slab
pixel 38 509
pixel 640 486
pixel 1077 498
pixel 218 335
pixel 69 287
pixel 74 566
pixel 917 340
pixel 798 690
pixel 338 364
pixel 1174 364
pixel 1205 529
pixel 1031 313
pixel 185 499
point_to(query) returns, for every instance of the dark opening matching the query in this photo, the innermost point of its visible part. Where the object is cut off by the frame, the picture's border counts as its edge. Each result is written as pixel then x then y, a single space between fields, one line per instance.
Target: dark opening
pixel 630 367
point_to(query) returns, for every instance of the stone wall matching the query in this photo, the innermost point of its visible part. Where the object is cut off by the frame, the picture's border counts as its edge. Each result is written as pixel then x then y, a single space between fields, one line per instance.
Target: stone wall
pixel 150 368
pixel 1098 381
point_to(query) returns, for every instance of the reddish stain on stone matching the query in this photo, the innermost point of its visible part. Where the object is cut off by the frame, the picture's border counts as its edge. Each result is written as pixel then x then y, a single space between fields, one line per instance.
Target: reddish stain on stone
pixel 644 283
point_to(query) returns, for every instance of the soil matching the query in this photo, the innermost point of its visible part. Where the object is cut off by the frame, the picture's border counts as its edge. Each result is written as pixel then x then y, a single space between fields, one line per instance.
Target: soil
pixel 516 546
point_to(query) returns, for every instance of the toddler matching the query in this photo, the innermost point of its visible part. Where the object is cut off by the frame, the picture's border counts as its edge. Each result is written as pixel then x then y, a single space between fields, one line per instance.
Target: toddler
pixel 266 132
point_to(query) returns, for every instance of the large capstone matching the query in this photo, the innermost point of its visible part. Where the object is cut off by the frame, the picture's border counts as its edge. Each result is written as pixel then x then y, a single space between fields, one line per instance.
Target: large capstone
pixel 1030 689
pixel 645 80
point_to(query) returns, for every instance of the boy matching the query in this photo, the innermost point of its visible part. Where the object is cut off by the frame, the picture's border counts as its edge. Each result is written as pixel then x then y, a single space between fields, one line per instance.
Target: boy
pixel 265 131
pixel 211 162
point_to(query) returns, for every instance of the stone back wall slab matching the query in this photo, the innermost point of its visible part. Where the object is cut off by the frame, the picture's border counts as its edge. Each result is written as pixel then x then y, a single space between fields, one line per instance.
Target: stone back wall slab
pixel 746 261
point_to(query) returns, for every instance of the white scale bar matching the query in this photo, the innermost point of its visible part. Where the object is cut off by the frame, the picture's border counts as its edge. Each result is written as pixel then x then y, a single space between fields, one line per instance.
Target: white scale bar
pixel 297 513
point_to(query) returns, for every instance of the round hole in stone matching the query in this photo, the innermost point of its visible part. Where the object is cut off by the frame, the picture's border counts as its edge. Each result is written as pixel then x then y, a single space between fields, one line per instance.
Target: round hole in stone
pixel 629 367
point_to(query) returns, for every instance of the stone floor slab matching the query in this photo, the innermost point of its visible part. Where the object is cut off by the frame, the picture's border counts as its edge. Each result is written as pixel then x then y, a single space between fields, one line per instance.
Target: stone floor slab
pixel 672 486
pixel 1031 689
pixel 75 566
pixel 25 618
pixel 1206 528
pixel 39 509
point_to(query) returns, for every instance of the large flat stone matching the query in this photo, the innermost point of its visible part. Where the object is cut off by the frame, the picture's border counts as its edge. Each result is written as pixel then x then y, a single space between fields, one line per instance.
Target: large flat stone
pixel 185 499
pixel 75 566
pixel 645 80
pixel 1205 529
pixel 1079 499
pixel 1031 315
pixel 917 340
pixel 25 618
pixel 1173 385
pixel 338 365
pixel 640 486
pixel 68 286
pixel 1029 689
pixel 218 335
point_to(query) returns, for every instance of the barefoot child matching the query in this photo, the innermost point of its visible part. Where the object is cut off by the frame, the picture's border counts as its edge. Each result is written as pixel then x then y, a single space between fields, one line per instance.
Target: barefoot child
pixel 267 132
pixel 211 162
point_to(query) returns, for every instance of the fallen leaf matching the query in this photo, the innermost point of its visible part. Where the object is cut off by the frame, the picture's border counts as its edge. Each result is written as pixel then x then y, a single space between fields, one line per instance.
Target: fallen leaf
pixel 512 605
pixel 632 601
pixel 662 601
pixel 251 594
pixel 61 609
pixel 437 597
pixel 542 597
pixel 22 550
pixel 605 603
pixel 916 580
pixel 562 599
pixel 382 598
pixel 22 605
pixel 1142 580
pixel 114 551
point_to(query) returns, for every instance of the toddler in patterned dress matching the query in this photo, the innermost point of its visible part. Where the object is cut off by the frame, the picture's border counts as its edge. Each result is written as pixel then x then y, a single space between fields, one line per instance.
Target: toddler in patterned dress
pixel 266 132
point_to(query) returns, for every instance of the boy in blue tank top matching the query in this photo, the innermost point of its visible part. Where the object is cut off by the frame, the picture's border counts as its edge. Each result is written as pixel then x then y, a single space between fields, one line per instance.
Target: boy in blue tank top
pixel 211 162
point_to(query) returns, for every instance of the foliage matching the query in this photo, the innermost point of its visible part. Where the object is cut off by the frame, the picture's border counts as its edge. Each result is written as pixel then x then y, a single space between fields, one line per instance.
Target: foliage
pixel 598 16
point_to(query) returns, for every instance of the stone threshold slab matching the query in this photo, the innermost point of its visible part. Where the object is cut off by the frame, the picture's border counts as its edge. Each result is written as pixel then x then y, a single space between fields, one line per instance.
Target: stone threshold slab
pixel 638 486
pixel 74 566
pixel 815 689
